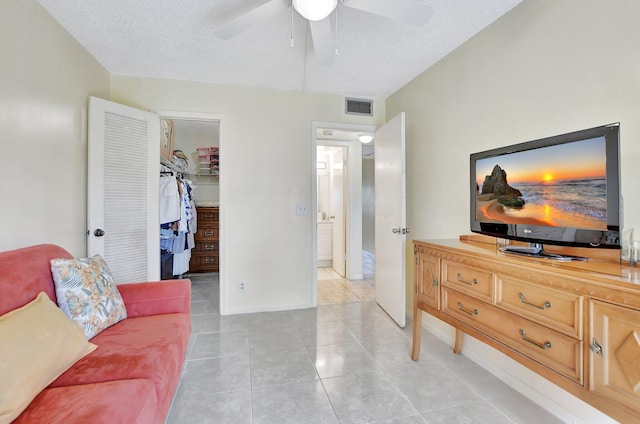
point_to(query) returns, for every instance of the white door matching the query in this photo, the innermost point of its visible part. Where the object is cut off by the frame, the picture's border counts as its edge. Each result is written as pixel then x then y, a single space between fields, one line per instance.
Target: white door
pixel 337 173
pixel 390 218
pixel 123 190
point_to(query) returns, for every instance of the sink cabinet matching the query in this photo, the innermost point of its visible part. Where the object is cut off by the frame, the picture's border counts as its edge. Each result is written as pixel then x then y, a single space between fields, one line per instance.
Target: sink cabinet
pixel 325 243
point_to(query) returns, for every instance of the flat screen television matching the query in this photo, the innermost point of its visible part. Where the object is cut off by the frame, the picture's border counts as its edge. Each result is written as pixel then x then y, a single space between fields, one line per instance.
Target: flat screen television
pixel 561 190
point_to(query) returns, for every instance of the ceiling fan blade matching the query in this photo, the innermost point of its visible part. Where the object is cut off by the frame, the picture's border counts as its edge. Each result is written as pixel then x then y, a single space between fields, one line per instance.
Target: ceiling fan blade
pixel 409 11
pixel 250 19
pixel 324 43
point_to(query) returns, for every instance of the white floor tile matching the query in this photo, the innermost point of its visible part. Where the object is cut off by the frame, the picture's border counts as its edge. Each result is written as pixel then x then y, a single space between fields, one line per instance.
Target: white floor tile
pixel 338 363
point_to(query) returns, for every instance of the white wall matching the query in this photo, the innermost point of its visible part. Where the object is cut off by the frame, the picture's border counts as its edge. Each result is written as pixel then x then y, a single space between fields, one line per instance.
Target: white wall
pixel 368 205
pixel 266 168
pixel 46 79
pixel 547 67
pixel 189 136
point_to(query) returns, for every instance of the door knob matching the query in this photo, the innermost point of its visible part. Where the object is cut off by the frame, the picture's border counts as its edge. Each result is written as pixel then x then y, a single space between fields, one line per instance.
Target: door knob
pixel 98 232
pixel 396 230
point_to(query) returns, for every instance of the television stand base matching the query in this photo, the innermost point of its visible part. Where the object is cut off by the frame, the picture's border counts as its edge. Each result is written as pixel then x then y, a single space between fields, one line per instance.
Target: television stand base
pixel 536 251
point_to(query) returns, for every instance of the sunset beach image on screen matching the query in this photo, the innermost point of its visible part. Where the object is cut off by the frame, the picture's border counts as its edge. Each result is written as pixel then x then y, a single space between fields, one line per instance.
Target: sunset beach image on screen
pixel 560 185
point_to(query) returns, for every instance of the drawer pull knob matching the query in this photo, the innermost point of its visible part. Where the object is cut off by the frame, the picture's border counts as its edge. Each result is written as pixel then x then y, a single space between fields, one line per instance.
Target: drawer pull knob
pixel 596 347
pixel 543 346
pixel 462 280
pixel 434 283
pixel 467 311
pixel 208 233
pixel 545 305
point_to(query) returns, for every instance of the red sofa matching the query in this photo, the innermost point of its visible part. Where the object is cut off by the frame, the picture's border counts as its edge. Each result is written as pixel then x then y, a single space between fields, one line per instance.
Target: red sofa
pixel 133 374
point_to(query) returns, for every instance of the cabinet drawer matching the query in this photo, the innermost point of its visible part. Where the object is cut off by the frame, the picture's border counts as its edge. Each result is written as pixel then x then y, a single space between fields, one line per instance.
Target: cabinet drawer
pixel 427 280
pixel 557 351
pixel 208 215
pixel 469 280
pixel 559 310
pixel 206 247
pixel 206 234
pixel 208 262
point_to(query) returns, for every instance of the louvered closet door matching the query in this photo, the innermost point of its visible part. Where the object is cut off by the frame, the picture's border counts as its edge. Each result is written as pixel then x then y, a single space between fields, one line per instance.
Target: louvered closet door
pixel 123 186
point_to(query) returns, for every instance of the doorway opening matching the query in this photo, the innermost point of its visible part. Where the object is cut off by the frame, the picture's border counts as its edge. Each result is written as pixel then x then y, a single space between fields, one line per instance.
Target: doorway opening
pixel 343 206
pixel 197 140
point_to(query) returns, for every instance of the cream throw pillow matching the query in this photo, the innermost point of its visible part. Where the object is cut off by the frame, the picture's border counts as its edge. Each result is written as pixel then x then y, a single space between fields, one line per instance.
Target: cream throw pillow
pixel 37 344
pixel 87 293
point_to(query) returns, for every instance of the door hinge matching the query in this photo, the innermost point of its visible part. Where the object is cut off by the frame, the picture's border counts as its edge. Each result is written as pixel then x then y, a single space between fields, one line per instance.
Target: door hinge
pixel 415 249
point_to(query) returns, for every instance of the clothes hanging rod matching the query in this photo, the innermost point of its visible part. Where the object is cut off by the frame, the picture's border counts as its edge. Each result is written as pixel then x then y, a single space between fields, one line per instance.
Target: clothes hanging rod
pixel 171 166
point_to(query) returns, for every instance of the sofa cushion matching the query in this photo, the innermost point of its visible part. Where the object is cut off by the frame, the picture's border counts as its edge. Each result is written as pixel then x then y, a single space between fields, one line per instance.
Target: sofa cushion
pixel 112 402
pixel 87 293
pixel 151 347
pixel 38 343
pixel 26 272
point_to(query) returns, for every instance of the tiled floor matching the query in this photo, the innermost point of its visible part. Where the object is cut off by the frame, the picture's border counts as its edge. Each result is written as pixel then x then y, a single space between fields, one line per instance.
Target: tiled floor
pixel 332 288
pixel 342 363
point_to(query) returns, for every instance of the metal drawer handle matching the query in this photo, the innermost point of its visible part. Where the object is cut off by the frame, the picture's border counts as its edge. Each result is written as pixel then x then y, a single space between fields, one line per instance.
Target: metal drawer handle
pixel 596 347
pixel 209 261
pixel 208 215
pixel 209 247
pixel 208 233
pixel 467 311
pixel 462 280
pixel 543 346
pixel 434 283
pixel 545 305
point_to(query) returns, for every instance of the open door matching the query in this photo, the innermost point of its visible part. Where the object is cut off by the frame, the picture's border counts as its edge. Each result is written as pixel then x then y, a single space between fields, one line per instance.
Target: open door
pixel 123 185
pixel 390 218
pixel 338 202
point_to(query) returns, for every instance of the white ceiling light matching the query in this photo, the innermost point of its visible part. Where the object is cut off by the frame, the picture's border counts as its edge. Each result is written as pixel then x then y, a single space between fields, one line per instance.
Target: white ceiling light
pixel 315 10
pixel 365 138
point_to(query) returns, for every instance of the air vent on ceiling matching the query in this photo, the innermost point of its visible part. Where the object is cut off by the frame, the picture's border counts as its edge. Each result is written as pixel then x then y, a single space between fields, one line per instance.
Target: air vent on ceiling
pixel 358 106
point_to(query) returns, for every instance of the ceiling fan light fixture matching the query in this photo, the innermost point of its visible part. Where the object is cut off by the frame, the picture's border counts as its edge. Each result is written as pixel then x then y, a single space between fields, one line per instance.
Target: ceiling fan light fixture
pixel 315 10
pixel 365 138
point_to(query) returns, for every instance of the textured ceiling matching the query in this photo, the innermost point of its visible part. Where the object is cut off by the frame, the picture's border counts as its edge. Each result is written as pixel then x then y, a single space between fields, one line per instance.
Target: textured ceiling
pixel 174 39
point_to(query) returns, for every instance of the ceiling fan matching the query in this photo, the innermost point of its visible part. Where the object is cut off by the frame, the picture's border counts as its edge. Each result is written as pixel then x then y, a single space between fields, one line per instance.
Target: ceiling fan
pixel 318 12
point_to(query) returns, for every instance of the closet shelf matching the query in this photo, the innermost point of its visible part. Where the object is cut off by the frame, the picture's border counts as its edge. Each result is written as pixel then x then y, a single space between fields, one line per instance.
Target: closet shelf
pixel 203 175
pixel 170 165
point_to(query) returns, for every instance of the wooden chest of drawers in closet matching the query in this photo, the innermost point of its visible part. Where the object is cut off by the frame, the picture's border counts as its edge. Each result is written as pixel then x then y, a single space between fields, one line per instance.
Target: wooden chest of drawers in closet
pixel 205 257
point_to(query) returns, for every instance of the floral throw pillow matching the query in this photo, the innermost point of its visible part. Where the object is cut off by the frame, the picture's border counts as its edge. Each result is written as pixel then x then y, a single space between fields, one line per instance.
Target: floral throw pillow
pixel 87 293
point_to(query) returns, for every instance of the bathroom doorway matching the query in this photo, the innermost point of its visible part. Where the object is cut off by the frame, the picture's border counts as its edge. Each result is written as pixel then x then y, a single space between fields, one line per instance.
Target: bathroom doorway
pixel 332 171
pixel 345 271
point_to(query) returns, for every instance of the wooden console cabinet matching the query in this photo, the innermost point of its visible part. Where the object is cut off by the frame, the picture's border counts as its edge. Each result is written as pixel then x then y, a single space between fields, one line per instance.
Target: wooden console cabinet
pixel 575 323
pixel 205 257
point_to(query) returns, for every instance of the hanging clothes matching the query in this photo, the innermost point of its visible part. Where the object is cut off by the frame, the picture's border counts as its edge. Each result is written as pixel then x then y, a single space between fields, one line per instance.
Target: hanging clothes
pixel 170 199
pixel 177 223
pixel 182 251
